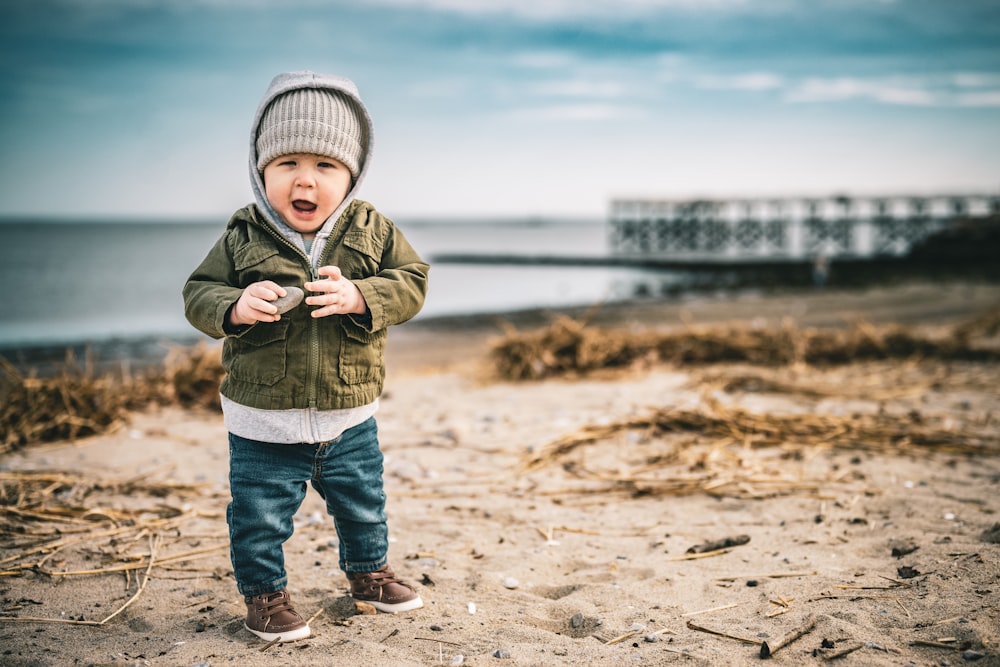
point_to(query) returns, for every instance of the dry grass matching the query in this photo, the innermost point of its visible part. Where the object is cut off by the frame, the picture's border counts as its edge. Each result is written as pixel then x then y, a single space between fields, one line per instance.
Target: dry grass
pixel 77 402
pixel 731 451
pixel 60 525
pixel 568 346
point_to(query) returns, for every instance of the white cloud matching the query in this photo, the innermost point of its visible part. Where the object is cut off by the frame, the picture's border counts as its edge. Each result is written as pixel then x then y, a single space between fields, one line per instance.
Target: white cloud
pixel 988 98
pixel 902 95
pixel 975 80
pixel 613 80
pixel 525 8
pixel 937 91
pixel 444 88
pixel 544 59
pixel 554 8
pixel 579 88
pixel 827 90
pixel 750 81
pixel 576 112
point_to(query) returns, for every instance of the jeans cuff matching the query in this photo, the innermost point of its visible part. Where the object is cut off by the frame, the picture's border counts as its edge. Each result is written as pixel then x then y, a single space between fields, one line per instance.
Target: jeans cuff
pixel 249 591
pixel 370 566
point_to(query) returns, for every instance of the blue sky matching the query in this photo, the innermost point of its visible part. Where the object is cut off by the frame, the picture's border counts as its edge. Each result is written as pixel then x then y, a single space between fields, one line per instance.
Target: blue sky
pixel 142 108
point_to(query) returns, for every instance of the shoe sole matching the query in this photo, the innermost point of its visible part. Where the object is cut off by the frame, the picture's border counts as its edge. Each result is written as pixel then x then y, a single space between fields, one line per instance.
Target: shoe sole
pixel 409 605
pixel 290 636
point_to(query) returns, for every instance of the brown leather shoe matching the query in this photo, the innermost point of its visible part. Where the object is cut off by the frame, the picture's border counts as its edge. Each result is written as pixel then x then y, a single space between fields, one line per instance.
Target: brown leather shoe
pixel 382 590
pixel 270 616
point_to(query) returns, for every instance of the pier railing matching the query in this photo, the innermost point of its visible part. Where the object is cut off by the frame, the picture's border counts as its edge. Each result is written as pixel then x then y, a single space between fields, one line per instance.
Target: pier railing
pixel 790 229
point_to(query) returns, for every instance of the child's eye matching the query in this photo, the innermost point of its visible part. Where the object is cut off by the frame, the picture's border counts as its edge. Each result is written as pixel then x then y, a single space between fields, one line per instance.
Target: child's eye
pixel 290 163
pixel 328 165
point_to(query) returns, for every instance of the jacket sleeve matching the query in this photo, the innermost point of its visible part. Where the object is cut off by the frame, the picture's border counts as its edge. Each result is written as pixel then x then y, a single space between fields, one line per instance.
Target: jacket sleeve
pixel 396 293
pixel 212 289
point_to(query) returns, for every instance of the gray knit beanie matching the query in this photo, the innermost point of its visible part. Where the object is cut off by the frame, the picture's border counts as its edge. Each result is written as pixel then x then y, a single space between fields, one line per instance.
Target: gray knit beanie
pixel 311 120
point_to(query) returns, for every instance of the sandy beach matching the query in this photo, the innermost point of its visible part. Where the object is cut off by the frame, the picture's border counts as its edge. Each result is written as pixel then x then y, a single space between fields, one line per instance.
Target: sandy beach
pixel 561 522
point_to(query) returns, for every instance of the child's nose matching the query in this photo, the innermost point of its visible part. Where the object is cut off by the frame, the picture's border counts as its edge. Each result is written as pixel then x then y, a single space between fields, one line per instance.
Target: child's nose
pixel 305 178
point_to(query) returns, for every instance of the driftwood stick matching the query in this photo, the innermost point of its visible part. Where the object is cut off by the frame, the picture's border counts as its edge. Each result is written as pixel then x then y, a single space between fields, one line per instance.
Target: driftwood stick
pixel 767 650
pixel 769 575
pixel 185 556
pixel 704 554
pixel 435 639
pixel 842 652
pixel 154 544
pixel 950 619
pixel 268 645
pixel 40 619
pixel 693 626
pixel 705 611
pixel 779 612
pixel 142 587
pixel 934 644
pixel 63 542
pixel 621 638
pixel 720 544
pixel 315 616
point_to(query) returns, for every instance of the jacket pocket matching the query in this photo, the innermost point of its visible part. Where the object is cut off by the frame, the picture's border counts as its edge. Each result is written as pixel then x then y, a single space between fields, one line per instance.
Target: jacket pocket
pixel 361 355
pixel 363 242
pixel 260 355
pixel 252 254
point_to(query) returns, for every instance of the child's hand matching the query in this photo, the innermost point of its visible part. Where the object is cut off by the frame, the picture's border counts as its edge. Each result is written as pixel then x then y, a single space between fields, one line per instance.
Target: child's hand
pixel 339 295
pixel 254 305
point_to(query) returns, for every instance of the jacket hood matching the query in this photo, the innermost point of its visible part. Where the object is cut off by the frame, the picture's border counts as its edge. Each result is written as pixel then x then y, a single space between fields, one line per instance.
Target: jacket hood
pixel 284 83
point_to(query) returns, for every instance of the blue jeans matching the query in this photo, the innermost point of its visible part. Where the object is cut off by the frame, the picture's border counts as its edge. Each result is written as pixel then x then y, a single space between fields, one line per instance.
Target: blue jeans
pixel 268 483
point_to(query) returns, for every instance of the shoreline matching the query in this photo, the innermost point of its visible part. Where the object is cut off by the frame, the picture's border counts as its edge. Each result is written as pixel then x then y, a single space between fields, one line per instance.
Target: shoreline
pixel 447 342
pixel 905 302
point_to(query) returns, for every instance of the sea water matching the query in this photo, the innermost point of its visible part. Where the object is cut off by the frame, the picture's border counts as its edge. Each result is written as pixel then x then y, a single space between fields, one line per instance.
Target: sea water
pixel 70 282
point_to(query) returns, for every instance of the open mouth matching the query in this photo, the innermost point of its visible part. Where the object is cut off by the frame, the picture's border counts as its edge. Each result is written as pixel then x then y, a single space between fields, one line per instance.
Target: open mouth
pixel 303 206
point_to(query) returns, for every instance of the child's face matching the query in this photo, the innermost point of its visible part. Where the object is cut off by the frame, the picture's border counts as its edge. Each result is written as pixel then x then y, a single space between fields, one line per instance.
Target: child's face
pixel 305 189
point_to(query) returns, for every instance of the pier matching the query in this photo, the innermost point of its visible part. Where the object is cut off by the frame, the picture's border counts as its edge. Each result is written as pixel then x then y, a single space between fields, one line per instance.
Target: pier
pixel 793 230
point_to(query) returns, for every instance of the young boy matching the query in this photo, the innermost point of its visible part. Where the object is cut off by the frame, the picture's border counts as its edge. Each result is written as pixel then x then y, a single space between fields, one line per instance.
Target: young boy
pixel 302 387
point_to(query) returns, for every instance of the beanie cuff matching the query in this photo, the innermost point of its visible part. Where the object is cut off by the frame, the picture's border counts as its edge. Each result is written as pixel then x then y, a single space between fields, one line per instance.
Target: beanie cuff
pixel 311 120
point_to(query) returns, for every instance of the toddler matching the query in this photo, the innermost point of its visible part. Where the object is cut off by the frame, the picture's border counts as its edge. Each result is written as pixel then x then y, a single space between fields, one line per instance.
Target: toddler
pixel 302 387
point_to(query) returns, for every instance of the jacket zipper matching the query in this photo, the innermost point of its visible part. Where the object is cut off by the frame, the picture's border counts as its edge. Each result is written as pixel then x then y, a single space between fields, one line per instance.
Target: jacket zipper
pixel 312 372
pixel 312 356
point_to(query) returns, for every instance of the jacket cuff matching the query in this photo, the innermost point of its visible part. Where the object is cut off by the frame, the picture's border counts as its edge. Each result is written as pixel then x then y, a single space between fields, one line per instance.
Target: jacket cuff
pixel 374 317
pixel 233 329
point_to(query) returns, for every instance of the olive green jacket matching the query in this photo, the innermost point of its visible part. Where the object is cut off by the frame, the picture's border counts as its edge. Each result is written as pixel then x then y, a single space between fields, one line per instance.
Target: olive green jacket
pixel 299 362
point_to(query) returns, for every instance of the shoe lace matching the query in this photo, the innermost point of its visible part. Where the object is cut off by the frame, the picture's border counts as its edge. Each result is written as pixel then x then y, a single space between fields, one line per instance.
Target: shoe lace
pixel 383 577
pixel 275 603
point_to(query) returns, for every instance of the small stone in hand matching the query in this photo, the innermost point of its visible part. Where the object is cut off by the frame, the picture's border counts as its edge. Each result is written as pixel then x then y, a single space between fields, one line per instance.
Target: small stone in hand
pixel 293 297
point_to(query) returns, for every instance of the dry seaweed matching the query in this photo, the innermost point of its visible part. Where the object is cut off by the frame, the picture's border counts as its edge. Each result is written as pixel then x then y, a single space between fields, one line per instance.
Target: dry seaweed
pixel 57 525
pixel 192 376
pixel 76 401
pixel 44 514
pixel 73 404
pixel 985 324
pixel 706 450
pixel 571 346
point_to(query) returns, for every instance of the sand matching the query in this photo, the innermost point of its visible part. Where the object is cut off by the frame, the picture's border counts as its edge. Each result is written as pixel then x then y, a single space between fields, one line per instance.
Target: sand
pixel 526 557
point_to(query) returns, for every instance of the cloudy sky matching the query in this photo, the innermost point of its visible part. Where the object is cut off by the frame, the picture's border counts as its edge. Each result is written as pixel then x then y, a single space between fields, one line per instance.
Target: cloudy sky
pixel 141 108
